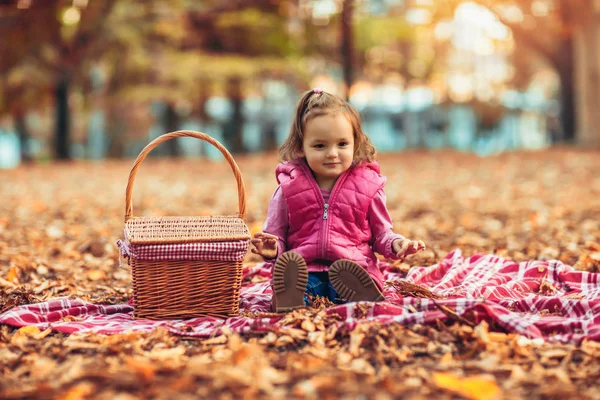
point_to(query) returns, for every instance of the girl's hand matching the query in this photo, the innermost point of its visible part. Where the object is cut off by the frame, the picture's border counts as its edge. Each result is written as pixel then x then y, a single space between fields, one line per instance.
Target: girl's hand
pixel 265 245
pixel 406 247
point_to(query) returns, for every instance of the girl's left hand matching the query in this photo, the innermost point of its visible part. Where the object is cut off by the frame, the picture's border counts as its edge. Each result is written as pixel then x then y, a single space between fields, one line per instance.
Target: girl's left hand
pixel 405 247
pixel 265 245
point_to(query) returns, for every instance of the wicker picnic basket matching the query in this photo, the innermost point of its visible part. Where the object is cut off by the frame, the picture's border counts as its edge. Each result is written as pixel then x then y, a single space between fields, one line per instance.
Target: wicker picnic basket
pixel 185 267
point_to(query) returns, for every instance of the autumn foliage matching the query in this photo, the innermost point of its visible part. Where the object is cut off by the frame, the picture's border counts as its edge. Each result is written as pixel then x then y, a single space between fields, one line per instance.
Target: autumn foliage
pixel 59 224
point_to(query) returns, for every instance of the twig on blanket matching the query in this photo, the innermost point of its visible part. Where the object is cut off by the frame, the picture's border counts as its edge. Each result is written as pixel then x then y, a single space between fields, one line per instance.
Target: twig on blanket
pixel 453 316
pixel 258 314
pixel 411 289
pixel 574 295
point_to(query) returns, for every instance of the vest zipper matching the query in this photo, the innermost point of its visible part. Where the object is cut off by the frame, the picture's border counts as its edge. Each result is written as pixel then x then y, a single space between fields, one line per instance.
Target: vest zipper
pixel 325 232
pixel 326 216
pixel 324 240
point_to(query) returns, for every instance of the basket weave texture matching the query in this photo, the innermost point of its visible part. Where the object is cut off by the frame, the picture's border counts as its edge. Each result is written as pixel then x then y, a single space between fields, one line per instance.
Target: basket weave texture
pixel 151 230
pixel 184 267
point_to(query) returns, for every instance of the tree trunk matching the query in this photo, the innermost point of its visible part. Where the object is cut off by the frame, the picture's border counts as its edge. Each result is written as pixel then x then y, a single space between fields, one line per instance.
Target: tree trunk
pixel 232 132
pixel 270 137
pixel 568 110
pixel 24 136
pixel 200 106
pixel 593 135
pixel 115 122
pixel 62 132
pixel 171 124
pixel 116 133
pixel 347 47
pixel 587 64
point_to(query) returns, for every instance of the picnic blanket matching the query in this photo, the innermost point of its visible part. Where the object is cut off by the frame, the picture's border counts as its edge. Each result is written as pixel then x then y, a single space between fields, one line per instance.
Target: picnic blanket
pixel 538 299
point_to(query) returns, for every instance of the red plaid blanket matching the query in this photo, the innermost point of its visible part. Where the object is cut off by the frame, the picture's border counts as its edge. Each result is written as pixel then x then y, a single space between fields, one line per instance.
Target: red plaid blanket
pixel 538 299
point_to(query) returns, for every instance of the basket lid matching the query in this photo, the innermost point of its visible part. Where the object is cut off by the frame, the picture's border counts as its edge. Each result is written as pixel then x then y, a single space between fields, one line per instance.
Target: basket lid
pixel 154 230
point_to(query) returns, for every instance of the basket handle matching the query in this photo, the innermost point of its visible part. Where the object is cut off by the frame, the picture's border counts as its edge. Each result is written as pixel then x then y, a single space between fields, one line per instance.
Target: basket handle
pixel 172 135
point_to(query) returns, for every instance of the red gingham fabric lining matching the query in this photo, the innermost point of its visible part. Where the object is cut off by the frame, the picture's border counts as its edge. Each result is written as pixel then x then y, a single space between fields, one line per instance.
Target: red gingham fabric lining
pixel 234 250
pixel 479 288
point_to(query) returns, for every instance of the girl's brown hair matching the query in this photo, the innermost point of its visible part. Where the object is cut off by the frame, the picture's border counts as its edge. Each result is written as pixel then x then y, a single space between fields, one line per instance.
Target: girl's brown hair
pixel 316 103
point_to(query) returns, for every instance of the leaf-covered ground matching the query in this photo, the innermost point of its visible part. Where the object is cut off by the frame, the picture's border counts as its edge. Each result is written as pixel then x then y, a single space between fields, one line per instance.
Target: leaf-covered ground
pixel 59 223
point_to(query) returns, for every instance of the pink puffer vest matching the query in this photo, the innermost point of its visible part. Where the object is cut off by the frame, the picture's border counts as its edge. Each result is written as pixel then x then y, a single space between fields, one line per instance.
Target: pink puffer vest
pixel 339 229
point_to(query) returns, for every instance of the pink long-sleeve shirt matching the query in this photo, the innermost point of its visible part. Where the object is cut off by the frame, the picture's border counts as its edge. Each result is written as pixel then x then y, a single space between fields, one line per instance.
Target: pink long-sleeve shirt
pixel 277 224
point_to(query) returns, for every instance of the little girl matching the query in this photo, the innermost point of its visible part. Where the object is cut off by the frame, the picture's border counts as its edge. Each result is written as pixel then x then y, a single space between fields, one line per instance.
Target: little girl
pixel 328 215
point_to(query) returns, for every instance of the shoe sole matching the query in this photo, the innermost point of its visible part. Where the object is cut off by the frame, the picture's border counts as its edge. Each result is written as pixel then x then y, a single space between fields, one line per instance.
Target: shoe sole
pixel 353 283
pixel 290 277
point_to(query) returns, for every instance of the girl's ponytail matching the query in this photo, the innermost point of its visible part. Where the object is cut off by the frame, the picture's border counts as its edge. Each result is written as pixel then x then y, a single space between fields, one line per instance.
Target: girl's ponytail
pixel 293 144
pixel 301 110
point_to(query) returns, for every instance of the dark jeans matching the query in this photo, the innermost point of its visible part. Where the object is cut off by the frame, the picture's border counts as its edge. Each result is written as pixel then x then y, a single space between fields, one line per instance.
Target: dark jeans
pixel 319 285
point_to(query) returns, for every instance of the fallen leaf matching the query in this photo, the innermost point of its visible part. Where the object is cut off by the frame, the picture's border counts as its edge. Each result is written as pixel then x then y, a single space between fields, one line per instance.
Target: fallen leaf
pixel 142 366
pixel 474 387
pixel 13 275
pixel 96 274
pixel 308 326
pixel 42 334
pixel 78 392
pixel 29 330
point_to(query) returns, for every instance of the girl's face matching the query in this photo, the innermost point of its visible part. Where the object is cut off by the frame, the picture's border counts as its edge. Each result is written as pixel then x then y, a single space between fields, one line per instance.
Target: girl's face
pixel 328 147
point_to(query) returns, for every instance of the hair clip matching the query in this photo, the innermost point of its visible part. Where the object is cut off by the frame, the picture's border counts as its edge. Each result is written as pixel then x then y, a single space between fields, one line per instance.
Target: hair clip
pixel 317 90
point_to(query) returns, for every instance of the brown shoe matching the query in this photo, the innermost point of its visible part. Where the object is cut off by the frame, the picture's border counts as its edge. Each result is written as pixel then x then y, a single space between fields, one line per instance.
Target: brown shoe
pixel 352 282
pixel 290 277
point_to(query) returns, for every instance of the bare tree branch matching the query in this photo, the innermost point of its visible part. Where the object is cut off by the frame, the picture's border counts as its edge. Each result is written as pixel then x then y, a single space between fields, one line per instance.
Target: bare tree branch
pixel 526 37
pixel 531 40
pixel 223 7
pixel 86 38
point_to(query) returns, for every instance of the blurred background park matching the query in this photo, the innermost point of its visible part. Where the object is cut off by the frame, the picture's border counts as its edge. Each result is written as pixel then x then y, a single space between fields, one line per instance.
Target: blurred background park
pixel 91 79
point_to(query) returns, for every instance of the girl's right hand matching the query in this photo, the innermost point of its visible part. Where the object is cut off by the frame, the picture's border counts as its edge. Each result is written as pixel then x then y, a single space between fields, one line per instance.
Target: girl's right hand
pixel 265 245
pixel 405 247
